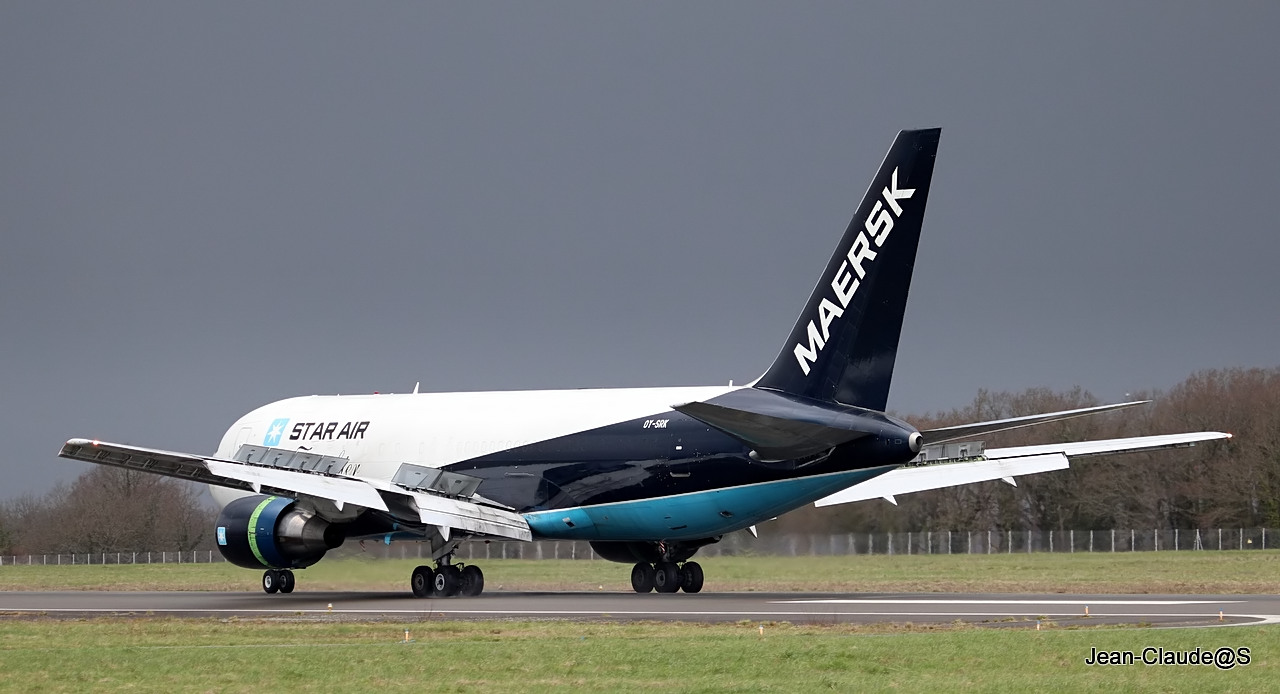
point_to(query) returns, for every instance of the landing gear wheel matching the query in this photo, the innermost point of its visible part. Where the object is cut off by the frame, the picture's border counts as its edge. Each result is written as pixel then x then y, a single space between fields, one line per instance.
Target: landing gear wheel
pixel 691 577
pixel 422 582
pixel 448 581
pixel 270 581
pixel 472 581
pixel 642 576
pixel 666 577
pixel 286 581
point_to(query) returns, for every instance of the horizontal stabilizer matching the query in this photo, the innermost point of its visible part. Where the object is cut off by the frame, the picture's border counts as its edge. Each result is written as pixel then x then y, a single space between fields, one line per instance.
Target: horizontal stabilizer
pixel 966 431
pixel 777 426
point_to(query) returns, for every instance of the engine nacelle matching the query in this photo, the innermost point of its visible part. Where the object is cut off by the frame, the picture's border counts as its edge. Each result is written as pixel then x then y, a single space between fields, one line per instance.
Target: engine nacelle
pixel 274 532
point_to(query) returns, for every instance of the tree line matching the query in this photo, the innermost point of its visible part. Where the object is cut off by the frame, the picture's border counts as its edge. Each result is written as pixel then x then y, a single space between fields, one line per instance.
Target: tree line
pixel 1231 484
pixel 109 509
pixel 1228 484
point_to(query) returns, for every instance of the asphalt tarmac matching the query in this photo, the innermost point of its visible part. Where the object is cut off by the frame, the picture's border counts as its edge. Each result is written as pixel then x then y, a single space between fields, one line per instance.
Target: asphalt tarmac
pixel 996 610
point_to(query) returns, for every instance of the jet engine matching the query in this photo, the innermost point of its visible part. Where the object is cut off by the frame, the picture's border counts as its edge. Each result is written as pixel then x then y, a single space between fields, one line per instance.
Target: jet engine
pixel 274 532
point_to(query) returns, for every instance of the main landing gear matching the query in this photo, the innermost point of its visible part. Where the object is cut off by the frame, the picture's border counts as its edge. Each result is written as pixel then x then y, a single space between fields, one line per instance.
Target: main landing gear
pixel 447 580
pixel 666 577
pixel 278 580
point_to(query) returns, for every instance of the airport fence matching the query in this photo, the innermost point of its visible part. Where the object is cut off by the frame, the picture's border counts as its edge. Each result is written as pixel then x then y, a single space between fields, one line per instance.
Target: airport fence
pixel 785 545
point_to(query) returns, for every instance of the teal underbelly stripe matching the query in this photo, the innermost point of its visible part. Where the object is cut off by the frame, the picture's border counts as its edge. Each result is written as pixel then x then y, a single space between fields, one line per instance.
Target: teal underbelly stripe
pixel 694 515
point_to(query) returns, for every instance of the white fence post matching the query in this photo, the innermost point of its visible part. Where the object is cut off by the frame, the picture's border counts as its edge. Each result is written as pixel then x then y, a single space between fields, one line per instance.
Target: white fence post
pixel 836 544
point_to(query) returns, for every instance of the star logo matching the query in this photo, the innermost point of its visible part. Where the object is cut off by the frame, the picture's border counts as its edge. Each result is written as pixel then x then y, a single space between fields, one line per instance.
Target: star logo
pixel 275 432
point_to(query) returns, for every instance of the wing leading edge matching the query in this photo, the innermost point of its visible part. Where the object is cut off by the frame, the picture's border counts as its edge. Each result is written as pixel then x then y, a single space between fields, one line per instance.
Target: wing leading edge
pixel 965 431
pixel 1004 464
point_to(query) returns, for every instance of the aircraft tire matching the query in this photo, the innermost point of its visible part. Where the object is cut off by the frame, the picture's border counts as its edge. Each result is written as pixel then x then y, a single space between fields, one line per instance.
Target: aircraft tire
pixel 287 581
pixel 448 581
pixel 422 582
pixel 666 577
pixel 472 581
pixel 642 575
pixel 691 577
pixel 270 581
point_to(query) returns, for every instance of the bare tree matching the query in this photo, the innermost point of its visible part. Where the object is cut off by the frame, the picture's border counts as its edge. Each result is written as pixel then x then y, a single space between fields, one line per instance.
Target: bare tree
pixel 111 510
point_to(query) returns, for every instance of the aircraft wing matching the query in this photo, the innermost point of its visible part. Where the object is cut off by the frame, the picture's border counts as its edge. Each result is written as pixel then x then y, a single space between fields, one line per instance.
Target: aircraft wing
pixel 1004 464
pixel 300 474
pixel 966 431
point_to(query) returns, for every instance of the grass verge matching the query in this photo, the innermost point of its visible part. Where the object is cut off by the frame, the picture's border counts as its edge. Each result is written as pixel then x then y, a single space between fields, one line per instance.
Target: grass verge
pixel 1253 571
pixel 244 655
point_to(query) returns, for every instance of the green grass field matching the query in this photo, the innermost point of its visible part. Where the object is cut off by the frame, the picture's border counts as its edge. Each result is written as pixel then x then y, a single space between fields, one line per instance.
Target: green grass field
pixel 1253 571
pixel 324 653
pixel 253 655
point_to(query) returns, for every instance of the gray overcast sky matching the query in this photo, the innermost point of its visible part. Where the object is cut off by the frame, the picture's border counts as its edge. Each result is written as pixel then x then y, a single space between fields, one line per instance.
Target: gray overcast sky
pixel 209 206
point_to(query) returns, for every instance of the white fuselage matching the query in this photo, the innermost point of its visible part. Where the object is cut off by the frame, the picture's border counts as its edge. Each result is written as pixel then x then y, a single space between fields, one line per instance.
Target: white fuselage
pixel 437 429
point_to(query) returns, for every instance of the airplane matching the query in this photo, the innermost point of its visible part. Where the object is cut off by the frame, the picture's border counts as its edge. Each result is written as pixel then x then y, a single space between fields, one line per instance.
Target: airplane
pixel 646 475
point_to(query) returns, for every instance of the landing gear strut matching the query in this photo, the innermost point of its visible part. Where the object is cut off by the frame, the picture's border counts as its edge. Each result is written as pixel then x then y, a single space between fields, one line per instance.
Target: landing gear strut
pixel 666 577
pixel 278 580
pixel 447 580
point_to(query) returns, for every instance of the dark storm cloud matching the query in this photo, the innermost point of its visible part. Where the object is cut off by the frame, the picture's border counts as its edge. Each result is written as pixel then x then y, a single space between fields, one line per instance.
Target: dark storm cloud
pixel 209 207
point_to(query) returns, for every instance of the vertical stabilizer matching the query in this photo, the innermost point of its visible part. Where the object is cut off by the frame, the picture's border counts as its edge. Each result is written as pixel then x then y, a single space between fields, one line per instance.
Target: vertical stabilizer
pixel 843 346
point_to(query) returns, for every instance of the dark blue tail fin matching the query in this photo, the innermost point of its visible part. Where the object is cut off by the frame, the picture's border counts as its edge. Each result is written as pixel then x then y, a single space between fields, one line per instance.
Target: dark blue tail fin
pixel 843 346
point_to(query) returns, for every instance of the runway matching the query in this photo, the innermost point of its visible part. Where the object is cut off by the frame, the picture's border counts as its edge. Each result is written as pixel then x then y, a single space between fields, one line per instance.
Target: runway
pixel 996 610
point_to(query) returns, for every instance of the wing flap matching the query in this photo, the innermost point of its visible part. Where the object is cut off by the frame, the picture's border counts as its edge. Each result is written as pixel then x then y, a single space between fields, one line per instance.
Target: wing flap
pixel 340 490
pixel 469 517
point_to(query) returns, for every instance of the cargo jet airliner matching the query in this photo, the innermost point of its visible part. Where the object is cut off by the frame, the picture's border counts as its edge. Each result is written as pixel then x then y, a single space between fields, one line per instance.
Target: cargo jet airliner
pixel 647 475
